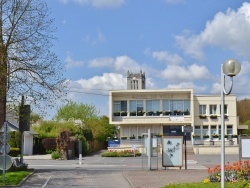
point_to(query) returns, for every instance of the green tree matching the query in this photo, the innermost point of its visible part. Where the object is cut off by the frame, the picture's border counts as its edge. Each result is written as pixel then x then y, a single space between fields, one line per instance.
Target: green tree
pixel 73 111
pixel 51 129
pixel 27 64
pixel 243 110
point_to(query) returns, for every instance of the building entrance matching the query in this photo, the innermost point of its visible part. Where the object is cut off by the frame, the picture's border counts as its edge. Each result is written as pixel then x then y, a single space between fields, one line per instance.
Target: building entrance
pixel 175 130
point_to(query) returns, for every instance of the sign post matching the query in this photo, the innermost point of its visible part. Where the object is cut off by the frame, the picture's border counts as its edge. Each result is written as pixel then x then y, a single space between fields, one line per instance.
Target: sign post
pixel 186 129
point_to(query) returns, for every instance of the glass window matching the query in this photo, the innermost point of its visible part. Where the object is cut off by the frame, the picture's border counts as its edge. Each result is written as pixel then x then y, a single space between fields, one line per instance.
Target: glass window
pixel 177 105
pixel 186 105
pixel 229 129
pixel 117 106
pixel 153 105
pixel 166 105
pixel 124 106
pixel 136 105
pixel 132 106
pixel 202 109
pixel 225 109
pixel 213 109
pixel 213 129
pixel 197 130
pixel 205 130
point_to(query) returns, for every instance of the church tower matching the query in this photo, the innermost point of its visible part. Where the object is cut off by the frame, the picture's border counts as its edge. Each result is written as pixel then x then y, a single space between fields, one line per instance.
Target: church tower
pixel 136 81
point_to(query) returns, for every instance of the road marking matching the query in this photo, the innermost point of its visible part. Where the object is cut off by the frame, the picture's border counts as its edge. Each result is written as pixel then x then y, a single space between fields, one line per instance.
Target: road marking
pixel 44 185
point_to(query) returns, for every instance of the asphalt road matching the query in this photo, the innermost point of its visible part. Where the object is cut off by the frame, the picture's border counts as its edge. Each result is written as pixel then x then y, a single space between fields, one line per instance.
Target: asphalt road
pixel 96 171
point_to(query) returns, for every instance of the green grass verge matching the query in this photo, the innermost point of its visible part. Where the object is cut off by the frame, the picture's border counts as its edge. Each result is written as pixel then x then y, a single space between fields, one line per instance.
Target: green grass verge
pixel 241 184
pixel 13 178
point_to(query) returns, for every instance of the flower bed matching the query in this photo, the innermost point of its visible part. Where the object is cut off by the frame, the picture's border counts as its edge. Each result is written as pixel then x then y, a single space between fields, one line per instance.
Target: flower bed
pixel 238 171
pixel 121 153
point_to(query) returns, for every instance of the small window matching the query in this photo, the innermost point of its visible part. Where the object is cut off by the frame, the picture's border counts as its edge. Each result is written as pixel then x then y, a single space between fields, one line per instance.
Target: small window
pixel 202 109
pixel 213 109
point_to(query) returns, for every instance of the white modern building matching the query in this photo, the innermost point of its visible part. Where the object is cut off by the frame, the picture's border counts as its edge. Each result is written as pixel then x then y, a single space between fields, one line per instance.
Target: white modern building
pixel 137 109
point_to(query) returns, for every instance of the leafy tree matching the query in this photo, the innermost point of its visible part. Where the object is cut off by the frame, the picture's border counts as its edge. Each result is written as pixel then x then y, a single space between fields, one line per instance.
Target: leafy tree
pixel 34 118
pixel 51 129
pixel 243 110
pixel 74 111
pixel 27 64
pixel 99 126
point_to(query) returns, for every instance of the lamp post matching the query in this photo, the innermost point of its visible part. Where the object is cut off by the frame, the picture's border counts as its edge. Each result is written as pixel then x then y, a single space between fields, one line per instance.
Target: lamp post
pixel 230 68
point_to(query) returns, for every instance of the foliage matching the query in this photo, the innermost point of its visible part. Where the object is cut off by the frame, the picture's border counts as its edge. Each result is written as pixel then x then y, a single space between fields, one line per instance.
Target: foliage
pixel 196 136
pixel 17 166
pixel 51 129
pixel 247 131
pixel 123 153
pixel 14 178
pixel 14 152
pixel 34 118
pixel 243 110
pixel 124 137
pixel 55 155
pixel 64 144
pixel 26 57
pixel 12 141
pixel 49 143
pixel 239 171
pixel 74 111
pixel 18 139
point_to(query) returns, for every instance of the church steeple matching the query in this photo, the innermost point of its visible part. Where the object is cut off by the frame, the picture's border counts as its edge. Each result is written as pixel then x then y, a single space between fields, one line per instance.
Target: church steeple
pixel 136 80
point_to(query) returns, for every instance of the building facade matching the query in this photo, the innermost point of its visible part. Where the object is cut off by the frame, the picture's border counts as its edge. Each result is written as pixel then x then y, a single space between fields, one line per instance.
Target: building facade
pixel 166 111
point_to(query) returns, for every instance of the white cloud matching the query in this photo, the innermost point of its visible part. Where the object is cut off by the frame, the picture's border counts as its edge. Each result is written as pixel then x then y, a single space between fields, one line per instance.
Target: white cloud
pixel 97 3
pixel 230 30
pixel 167 57
pixel 70 63
pixel 180 73
pixel 98 84
pixel 197 89
pixel 120 64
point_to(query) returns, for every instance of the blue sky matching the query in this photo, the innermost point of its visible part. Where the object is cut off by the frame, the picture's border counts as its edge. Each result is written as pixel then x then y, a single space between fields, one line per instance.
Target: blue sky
pixel 177 43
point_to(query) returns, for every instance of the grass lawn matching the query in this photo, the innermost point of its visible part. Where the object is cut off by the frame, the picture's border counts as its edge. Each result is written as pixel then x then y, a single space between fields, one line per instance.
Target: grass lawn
pixel 242 184
pixel 13 178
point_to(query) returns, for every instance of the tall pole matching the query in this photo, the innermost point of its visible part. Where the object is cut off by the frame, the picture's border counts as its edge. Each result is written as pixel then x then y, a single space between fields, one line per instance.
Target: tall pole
pixel 222 129
pixel 22 134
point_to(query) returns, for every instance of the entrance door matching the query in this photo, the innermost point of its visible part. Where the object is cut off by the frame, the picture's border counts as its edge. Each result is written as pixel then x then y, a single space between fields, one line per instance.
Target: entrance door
pixel 175 130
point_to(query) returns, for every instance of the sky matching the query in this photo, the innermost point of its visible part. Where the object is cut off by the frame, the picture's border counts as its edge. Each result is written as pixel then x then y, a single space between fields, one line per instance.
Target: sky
pixel 177 43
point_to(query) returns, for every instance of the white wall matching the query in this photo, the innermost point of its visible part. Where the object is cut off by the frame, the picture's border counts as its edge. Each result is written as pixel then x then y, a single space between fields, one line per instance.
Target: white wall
pixel 28 144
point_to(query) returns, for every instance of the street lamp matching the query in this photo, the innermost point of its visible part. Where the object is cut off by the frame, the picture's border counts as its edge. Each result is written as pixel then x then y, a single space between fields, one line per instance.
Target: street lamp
pixel 230 68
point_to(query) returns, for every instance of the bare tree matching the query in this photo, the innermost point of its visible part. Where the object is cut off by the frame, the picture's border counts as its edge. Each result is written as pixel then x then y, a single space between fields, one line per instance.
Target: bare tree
pixel 27 64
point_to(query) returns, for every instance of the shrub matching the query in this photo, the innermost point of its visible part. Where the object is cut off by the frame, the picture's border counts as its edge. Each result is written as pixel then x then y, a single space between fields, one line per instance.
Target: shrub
pixel 14 152
pixel 49 143
pixel 55 155
pixel 123 153
pixel 12 141
pixel 17 166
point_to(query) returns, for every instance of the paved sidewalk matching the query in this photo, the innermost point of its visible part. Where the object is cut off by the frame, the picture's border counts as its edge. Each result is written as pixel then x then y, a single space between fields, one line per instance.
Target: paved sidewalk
pixel 160 178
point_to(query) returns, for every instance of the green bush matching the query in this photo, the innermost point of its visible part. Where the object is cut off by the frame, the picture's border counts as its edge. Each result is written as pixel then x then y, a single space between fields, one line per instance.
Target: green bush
pixel 55 155
pixel 49 143
pixel 17 166
pixel 14 152
pixel 120 154
pixel 12 141
pixel 49 151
